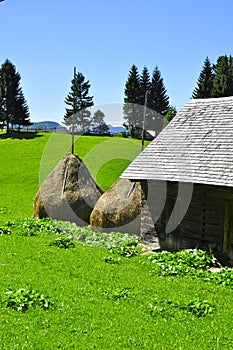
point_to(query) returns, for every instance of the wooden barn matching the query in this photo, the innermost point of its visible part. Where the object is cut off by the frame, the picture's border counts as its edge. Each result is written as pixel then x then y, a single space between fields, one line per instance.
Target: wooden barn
pixel 186 175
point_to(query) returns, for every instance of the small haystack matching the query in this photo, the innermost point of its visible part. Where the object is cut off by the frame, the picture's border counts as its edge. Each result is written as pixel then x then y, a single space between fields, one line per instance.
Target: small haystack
pixel 119 209
pixel 69 193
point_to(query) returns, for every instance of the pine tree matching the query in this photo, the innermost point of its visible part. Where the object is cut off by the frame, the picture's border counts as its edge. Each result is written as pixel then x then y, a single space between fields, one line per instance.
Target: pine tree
pixel 230 77
pixel 9 92
pixel 204 87
pixel 22 115
pixel 145 84
pixel 79 100
pixel 158 100
pixel 223 79
pixel 132 113
pixel 220 78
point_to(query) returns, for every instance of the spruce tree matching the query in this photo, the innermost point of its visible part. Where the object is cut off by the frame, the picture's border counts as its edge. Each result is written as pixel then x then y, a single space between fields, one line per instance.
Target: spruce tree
pixel 223 78
pixel 79 101
pixel 9 92
pixel 230 76
pixel 145 84
pixel 22 115
pixel 158 100
pixel 132 115
pixel 204 87
pixel 220 78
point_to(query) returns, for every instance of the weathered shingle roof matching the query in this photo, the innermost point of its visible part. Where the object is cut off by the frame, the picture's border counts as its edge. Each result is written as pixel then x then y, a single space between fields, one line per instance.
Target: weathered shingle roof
pixel 196 146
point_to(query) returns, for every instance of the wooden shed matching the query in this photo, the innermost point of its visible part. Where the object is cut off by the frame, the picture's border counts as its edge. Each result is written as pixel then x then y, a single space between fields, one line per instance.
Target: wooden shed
pixel 186 175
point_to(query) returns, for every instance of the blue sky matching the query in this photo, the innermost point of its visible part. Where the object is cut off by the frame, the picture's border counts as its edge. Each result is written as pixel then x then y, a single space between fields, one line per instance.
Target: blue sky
pixel 45 39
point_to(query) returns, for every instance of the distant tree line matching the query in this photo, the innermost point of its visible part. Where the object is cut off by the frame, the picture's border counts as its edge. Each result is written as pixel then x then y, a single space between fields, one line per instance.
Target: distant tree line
pixel 14 110
pixel 78 114
pixel 143 90
pixel 215 79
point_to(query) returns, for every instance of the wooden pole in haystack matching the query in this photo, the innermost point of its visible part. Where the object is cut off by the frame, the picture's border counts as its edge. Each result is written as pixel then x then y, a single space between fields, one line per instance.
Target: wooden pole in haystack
pixel 72 149
pixel 143 121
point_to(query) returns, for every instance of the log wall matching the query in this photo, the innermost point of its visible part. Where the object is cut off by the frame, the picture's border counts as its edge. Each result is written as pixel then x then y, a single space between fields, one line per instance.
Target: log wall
pixel 209 218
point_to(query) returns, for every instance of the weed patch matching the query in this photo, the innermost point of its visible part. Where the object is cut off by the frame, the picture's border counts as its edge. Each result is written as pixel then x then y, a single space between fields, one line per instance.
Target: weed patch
pixel 168 309
pixel 117 293
pixel 4 230
pixel 96 238
pixel 22 299
pixel 193 263
pixel 63 242
pixel 111 259
pixel 5 210
pixel 127 249
pixel 32 227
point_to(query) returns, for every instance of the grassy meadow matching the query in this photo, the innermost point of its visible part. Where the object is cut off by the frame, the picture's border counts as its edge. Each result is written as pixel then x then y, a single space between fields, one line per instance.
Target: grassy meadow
pixel 26 161
pixel 98 298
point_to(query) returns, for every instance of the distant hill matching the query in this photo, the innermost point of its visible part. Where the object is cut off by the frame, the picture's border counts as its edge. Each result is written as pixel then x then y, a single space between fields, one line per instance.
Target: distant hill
pixel 46 126
pixel 116 129
pixel 51 126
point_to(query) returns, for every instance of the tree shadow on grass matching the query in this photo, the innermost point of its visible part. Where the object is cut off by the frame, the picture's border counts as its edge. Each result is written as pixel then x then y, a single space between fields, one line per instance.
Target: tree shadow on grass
pixel 20 135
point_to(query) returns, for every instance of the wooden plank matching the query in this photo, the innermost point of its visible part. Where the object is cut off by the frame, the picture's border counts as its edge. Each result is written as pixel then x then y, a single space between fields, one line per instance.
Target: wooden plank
pixel 225 228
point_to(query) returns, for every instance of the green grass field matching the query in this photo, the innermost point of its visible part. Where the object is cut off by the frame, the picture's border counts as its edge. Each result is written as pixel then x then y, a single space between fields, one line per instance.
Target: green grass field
pixel 25 162
pixel 97 303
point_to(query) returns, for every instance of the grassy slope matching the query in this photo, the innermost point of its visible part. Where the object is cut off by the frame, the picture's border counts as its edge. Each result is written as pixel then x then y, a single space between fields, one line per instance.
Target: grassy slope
pixel 26 162
pixel 83 318
pixel 19 175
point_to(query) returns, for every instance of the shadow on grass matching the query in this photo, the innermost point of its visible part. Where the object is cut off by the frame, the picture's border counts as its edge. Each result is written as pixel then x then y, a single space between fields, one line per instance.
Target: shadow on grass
pixel 20 135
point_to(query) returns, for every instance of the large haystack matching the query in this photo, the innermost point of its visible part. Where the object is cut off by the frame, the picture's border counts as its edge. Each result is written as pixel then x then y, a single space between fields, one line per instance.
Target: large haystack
pixel 119 209
pixel 68 193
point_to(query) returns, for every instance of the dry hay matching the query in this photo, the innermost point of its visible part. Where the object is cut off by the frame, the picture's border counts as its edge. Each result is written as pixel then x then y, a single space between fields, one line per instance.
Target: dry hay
pixel 69 193
pixel 119 209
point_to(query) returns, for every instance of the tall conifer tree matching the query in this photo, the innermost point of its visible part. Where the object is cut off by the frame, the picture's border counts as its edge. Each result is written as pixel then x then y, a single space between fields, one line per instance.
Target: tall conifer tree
pixel 132 114
pixel 204 87
pixel 158 99
pixel 79 100
pixel 223 78
pixel 9 92
pixel 145 84
pixel 22 115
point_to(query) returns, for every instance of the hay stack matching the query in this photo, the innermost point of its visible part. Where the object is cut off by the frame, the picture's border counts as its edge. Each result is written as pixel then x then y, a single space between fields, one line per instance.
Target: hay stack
pixel 119 209
pixel 69 193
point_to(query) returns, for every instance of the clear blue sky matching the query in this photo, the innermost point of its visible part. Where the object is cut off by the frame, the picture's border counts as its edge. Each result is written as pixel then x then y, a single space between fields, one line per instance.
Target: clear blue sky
pixel 45 39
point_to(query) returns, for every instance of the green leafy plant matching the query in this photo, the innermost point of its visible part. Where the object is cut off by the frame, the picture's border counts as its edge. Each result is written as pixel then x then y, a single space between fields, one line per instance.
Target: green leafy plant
pixel 85 235
pixel 63 242
pixel 22 299
pixel 183 262
pixel 167 308
pixel 4 210
pixel 95 238
pixel 163 308
pixel 191 263
pixel 112 259
pixel 117 293
pixel 32 227
pixel 4 230
pixel 198 307
pixel 222 277
pixel 127 249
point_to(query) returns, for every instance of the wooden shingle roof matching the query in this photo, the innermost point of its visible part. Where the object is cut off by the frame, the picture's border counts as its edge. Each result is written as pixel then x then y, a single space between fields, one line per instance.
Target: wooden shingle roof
pixel 196 146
